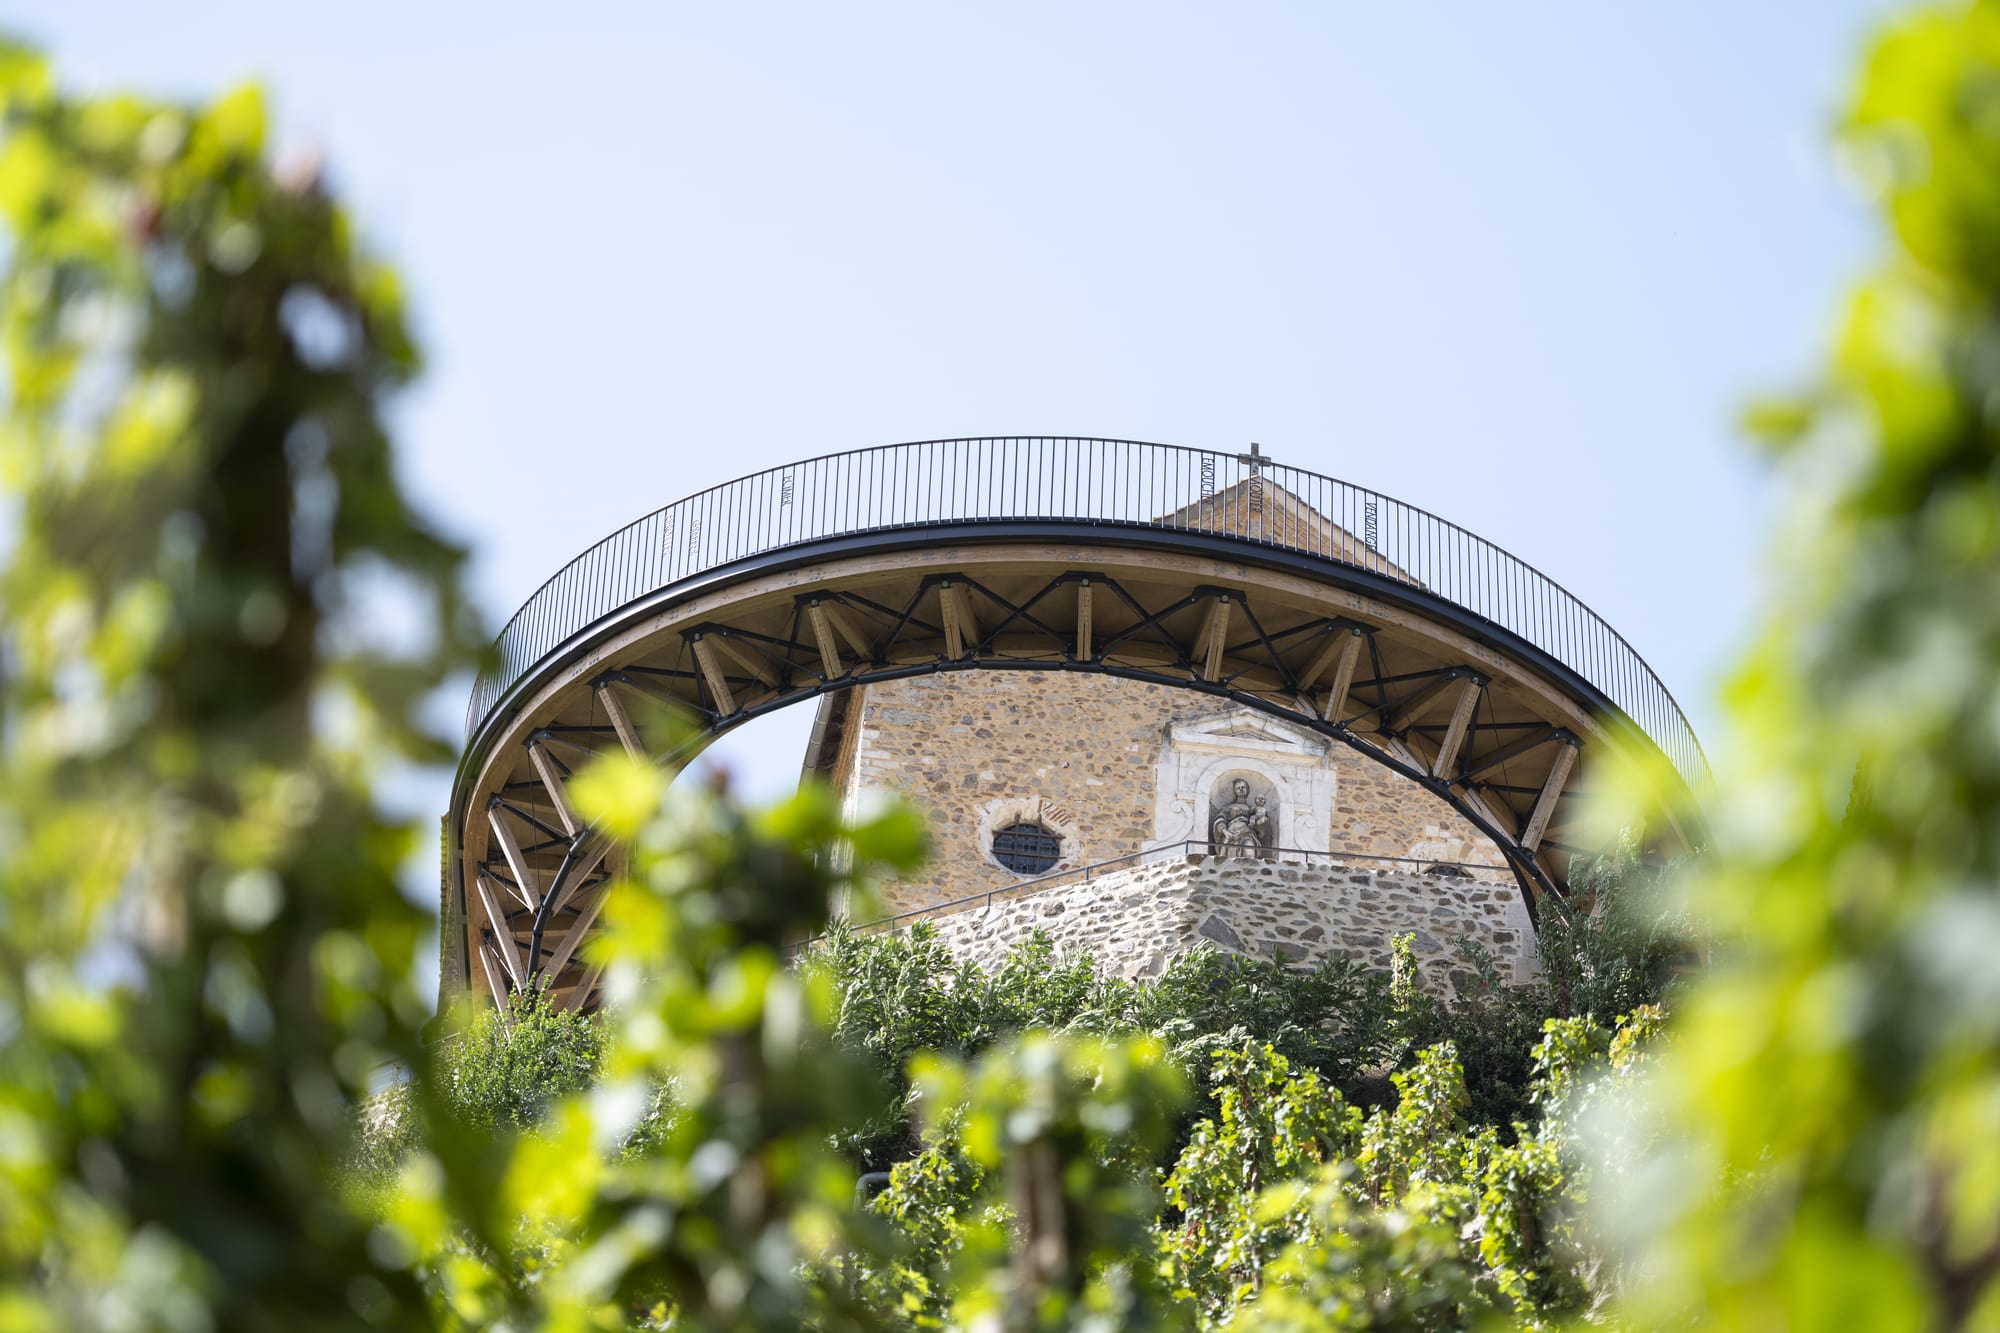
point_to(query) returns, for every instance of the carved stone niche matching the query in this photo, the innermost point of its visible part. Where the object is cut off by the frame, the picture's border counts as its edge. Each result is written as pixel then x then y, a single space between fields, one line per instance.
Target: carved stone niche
pixel 1288 765
pixel 1243 816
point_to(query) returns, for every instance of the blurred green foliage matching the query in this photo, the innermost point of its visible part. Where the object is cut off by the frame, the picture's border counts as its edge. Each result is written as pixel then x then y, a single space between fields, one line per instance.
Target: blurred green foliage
pixel 204 957
pixel 1839 1072
pixel 204 962
pixel 1062 1172
pixel 1289 1207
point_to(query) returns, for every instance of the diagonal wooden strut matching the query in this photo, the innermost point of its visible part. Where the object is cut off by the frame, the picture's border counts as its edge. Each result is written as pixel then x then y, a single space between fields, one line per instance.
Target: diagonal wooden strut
pixel 585 918
pixel 711 672
pixel 1419 701
pixel 552 782
pixel 510 847
pixel 1454 734
pixel 1342 652
pixel 1545 804
pixel 502 938
pixel 753 668
pixel 491 969
pixel 1213 637
pixel 621 720
pixel 837 618
pixel 953 615
pixel 1083 626
pixel 1542 735
pixel 968 615
pixel 830 665
pixel 581 995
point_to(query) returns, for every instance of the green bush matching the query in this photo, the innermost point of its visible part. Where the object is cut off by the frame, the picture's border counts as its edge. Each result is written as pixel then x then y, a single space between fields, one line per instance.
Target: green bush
pixel 1288 1207
pixel 504 1071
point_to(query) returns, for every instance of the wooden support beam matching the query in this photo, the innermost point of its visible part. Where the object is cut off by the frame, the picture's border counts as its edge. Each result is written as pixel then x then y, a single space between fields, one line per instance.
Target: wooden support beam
pixel 1500 813
pixel 1338 644
pixel 1545 804
pixel 838 619
pixel 621 720
pixel 954 631
pixel 1197 650
pixel 1213 638
pixel 1454 735
pixel 1564 836
pixel 552 783
pixel 510 954
pixel 968 613
pixel 586 917
pixel 577 875
pixel 1501 816
pixel 496 957
pixel 1512 750
pixel 491 969
pixel 757 670
pixel 1343 676
pixel 711 671
pixel 481 876
pixel 1342 652
pixel 581 995
pixel 830 665
pixel 1083 625
pixel 510 847
pixel 1418 702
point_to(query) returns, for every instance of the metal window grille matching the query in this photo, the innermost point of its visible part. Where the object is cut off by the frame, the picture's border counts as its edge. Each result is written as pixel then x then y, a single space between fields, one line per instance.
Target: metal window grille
pixel 1027 849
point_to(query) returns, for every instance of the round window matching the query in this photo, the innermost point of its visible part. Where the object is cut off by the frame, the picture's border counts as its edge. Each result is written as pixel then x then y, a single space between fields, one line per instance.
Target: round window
pixel 1026 848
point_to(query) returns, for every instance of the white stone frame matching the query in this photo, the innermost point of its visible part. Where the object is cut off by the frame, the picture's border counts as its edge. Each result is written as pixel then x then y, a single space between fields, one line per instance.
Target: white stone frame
pixel 998 814
pixel 1197 755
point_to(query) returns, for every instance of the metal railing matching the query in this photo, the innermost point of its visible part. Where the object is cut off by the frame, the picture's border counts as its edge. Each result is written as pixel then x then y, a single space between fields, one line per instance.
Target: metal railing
pixel 1190 851
pixel 1109 483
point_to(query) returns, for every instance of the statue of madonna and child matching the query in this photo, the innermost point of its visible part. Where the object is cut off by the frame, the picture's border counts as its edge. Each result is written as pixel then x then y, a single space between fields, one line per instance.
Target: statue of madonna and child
pixel 1241 826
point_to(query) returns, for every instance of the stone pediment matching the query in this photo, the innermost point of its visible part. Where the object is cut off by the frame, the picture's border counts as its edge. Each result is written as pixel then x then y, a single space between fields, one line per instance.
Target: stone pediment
pixel 1243 731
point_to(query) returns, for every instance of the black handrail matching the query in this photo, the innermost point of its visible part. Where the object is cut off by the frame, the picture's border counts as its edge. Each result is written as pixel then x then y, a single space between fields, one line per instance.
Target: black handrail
pixel 1130 483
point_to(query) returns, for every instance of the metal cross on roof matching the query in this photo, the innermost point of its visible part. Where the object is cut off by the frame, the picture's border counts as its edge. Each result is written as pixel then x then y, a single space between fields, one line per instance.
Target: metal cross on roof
pixel 1256 458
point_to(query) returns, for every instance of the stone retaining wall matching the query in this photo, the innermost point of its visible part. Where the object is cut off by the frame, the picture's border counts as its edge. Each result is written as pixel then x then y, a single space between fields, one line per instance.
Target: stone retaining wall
pixel 1134 921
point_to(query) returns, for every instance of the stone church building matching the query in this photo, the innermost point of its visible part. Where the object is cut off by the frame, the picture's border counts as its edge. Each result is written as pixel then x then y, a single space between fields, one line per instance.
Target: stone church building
pixel 1134 820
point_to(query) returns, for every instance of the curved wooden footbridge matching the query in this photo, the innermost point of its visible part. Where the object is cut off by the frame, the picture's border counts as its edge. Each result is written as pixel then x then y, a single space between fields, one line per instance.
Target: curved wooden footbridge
pixel 1420 645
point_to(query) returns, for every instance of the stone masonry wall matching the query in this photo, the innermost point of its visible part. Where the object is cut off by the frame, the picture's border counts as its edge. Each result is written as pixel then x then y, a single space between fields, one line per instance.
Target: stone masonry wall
pixel 1382 813
pixel 1085 746
pixel 969 747
pixel 1134 921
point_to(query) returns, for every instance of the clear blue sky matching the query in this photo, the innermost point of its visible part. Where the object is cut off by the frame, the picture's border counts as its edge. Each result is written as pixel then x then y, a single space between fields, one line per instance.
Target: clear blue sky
pixel 1519 264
